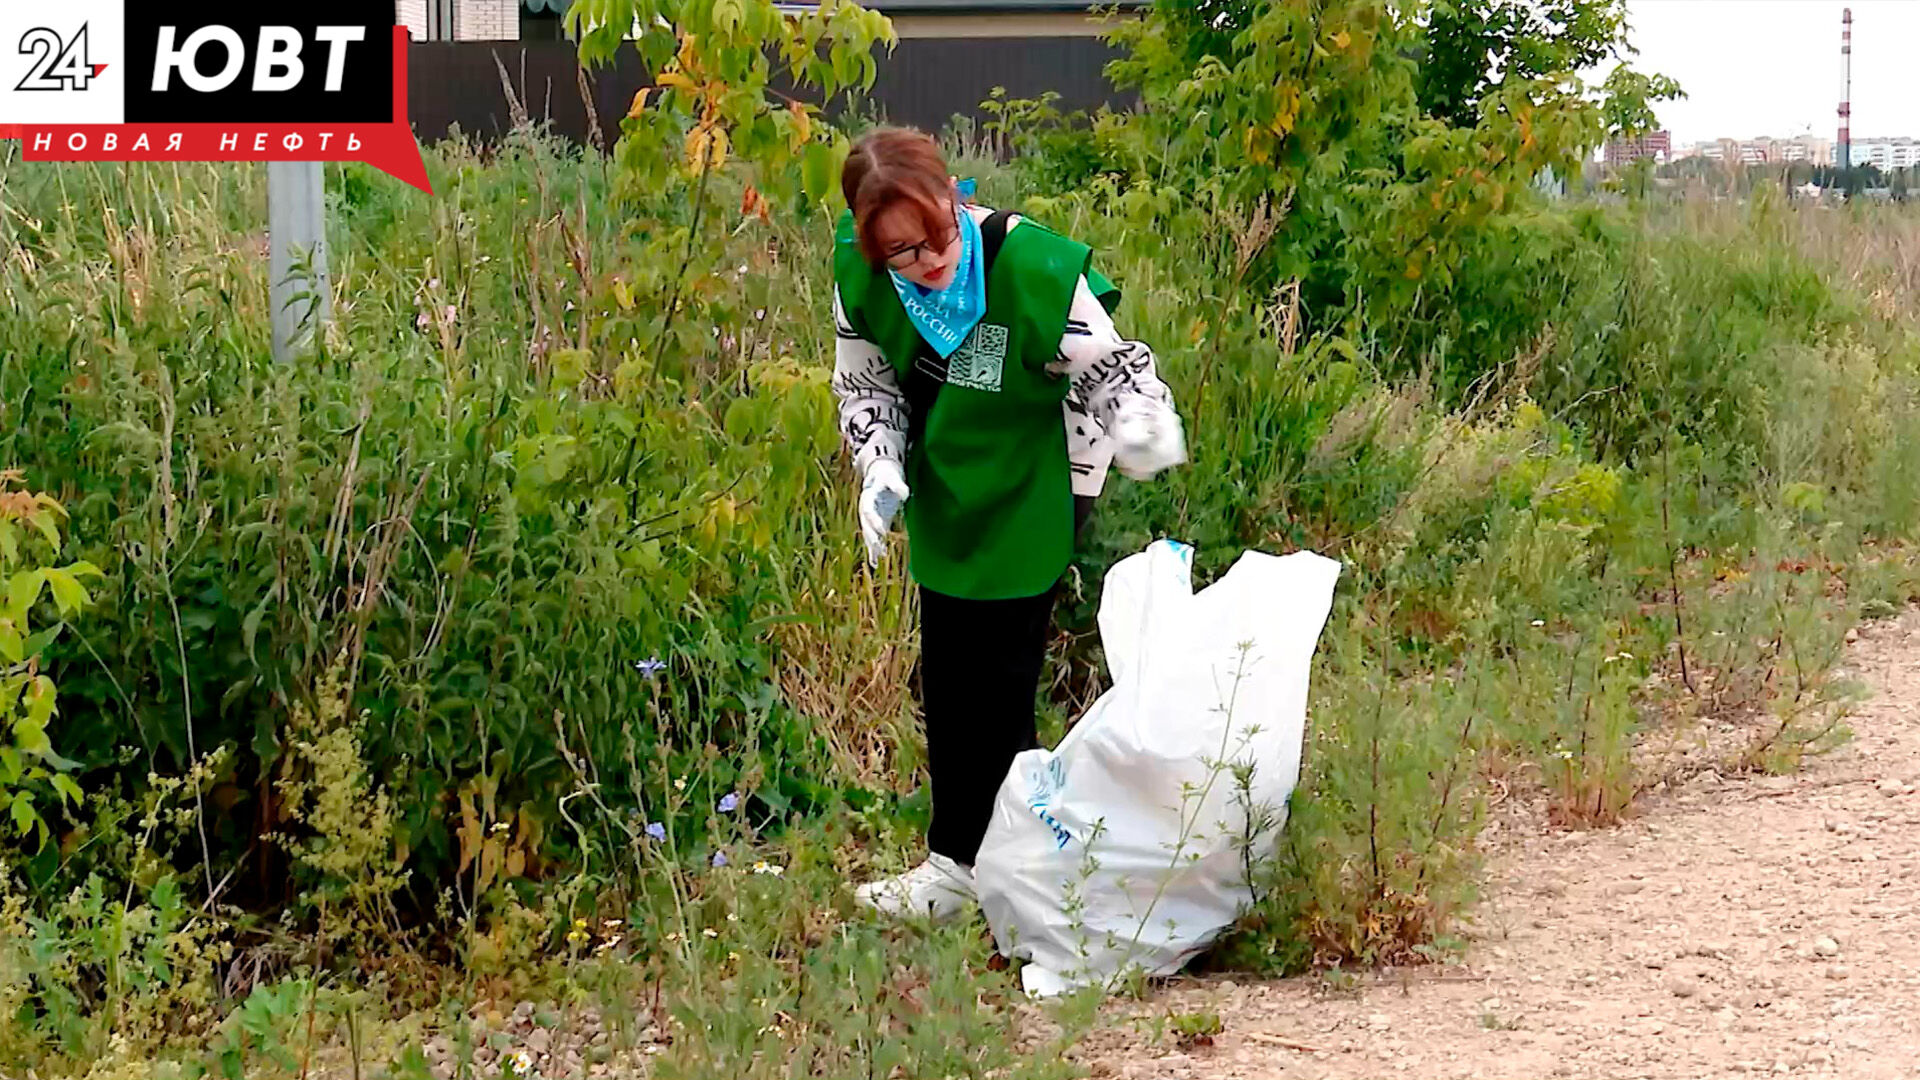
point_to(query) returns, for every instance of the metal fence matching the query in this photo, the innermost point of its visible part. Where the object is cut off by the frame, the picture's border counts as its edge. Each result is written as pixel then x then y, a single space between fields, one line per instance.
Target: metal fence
pixel 458 85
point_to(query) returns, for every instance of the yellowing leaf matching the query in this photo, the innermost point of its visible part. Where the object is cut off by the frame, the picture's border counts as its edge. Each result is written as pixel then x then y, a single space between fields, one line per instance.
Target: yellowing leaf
pixel 676 81
pixel 639 103
pixel 802 124
pixel 469 832
pixel 753 204
pixel 1257 148
pixel 706 149
pixel 489 862
pixel 1341 40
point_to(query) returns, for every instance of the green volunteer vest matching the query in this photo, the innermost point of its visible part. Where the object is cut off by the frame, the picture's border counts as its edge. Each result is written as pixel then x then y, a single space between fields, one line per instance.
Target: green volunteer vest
pixel 991 514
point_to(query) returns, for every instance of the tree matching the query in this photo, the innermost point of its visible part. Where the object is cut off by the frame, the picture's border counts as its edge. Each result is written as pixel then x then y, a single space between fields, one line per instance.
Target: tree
pixel 1472 46
pixel 710 63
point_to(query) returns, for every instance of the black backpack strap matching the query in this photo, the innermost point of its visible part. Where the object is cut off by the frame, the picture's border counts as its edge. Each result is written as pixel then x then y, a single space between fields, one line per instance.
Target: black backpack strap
pixel 928 373
pixel 993 233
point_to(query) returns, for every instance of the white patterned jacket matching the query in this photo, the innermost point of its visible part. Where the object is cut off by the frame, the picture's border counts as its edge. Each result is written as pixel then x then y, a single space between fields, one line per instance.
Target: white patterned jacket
pixel 1103 367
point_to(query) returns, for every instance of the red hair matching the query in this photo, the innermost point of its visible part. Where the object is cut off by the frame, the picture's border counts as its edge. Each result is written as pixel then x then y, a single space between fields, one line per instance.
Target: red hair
pixel 889 166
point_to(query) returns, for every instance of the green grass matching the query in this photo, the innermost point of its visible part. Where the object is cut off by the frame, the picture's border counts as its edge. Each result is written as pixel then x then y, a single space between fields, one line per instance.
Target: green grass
pixel 387 604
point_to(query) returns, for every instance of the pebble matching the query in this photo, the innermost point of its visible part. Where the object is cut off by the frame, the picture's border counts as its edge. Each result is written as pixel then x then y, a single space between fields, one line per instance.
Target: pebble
pixel 1890 787
pixel 1683 987
pixel 1826 946
pixel 1838 972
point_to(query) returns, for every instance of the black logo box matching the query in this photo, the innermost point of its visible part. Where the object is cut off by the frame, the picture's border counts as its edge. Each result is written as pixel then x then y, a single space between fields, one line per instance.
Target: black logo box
pixel 366 88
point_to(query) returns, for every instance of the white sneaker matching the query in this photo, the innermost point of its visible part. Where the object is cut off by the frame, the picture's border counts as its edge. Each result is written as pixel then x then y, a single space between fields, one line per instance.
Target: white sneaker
pixel 938 888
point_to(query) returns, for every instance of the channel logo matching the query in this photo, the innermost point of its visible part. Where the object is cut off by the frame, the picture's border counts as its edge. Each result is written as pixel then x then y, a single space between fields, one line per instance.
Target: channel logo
pixel 134 80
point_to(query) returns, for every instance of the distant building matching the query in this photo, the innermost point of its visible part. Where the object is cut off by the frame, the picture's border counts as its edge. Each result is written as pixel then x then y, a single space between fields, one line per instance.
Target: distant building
pixel 1764 150
pixel 1811 149
pixel 1887 155
pixel 1656 145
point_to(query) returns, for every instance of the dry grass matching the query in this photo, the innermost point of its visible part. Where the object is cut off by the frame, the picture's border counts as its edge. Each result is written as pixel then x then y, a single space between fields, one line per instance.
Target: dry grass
pixel 1875 249
pixel 848 664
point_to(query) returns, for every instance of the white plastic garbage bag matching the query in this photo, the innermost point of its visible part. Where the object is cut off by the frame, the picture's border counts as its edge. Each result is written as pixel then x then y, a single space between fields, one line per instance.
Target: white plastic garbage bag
pixel 1124 847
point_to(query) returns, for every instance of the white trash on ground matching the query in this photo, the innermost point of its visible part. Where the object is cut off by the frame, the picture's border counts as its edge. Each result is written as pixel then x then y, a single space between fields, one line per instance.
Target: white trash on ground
pixel 1124 848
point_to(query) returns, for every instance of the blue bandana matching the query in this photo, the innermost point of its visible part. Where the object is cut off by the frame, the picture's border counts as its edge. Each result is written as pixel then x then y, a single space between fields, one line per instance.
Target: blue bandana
pixel 945 318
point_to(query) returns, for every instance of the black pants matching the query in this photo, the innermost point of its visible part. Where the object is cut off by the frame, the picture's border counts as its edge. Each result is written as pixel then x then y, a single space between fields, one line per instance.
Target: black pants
pixel 980 664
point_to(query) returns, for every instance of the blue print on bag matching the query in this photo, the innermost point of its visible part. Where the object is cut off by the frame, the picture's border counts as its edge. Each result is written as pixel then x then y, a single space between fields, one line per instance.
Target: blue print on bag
pixel 1043 784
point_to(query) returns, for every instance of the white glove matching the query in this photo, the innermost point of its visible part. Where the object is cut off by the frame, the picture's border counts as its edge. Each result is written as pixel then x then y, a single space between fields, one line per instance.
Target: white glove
pixel 1147 437
pixel 880 498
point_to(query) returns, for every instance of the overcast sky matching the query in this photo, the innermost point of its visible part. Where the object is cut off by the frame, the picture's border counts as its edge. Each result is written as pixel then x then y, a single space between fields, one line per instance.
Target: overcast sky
pixel 1772 67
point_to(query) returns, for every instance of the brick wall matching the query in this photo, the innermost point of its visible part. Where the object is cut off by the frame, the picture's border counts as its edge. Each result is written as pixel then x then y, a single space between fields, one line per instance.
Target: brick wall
pixel 412 14
pixel 487 20
pixel 473 20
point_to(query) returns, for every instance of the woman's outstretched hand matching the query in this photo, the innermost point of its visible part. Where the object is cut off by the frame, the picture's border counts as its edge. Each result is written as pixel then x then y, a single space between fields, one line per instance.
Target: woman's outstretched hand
pixel 1147 437
pixel 880 498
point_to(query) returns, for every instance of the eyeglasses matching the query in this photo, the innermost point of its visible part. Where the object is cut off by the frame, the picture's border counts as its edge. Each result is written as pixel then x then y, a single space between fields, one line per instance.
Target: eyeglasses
pixel 901 258
pixel 904 257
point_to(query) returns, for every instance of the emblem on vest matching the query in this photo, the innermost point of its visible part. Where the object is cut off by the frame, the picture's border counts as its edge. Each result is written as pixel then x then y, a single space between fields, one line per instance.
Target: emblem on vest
pixel 980 360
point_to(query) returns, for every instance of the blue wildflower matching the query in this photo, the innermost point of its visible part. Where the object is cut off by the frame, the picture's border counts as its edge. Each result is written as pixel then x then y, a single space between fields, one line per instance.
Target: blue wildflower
pixel 719 859
pixel 728 803
pixel 656 830
pixel 650 667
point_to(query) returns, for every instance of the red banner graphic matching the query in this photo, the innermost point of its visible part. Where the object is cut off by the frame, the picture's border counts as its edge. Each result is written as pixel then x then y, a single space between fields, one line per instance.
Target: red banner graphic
pixel 389 147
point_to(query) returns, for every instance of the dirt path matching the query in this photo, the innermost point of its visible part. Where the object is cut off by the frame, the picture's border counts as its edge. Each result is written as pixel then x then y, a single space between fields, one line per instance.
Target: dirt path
pixel 1763 926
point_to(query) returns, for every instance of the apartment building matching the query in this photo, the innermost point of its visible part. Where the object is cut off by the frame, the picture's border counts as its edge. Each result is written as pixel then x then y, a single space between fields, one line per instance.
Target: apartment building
pixel 1765 151
pixel 1887 155
pixel 1657 145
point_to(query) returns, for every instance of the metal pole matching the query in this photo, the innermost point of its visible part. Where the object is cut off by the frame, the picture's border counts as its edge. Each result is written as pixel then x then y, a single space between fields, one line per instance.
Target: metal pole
pixel 297 260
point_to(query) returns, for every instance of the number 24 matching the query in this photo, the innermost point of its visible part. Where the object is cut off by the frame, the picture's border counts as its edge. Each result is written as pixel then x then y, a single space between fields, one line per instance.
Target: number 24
pixel 61 65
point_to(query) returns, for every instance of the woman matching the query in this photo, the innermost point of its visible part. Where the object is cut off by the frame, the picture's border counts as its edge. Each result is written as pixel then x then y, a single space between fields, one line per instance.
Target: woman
pixel 983 387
